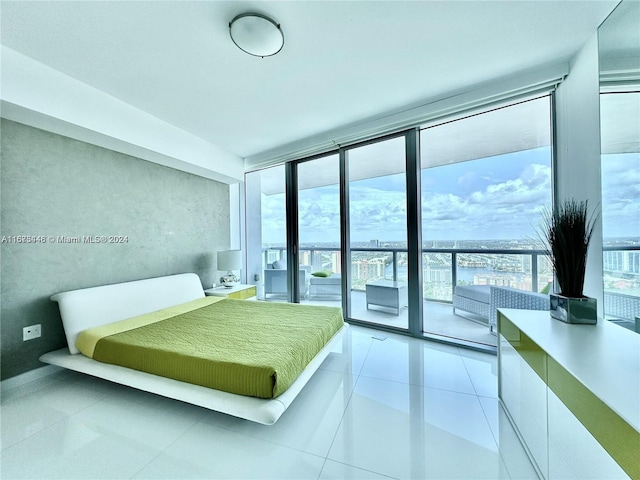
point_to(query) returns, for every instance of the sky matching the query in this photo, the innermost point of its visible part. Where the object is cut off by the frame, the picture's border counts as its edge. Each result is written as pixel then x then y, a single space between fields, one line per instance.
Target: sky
pixel 494 198
pixel 621 195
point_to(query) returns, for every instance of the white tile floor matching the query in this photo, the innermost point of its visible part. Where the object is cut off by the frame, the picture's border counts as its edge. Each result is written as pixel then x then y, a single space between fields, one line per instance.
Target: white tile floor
pixel 439 319
pixel 397 408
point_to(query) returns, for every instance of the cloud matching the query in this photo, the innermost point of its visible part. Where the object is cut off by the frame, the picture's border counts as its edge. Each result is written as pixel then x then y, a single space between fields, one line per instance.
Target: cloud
pixel 468 180
pixel 507 208
pixel 377 212
pixel 621 195
pixel 532 187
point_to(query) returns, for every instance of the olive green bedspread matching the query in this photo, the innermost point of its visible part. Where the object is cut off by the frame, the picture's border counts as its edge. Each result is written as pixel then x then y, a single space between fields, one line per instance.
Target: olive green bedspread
pixel 245 347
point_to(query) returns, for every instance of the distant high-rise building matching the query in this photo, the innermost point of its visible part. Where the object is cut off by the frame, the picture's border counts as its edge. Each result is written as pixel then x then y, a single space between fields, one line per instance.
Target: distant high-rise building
pixel 336 262
pixel 375 268
pixel 622 262
pixel 437 274
pixel 305 257
pixel 273 255
pixel 370 269
pixel 356 271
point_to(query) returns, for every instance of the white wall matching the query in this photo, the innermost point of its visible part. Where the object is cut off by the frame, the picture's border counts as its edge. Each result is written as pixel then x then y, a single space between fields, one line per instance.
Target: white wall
pixel 37 95
pixel 578 151
pixel 54 186
pixel 253 231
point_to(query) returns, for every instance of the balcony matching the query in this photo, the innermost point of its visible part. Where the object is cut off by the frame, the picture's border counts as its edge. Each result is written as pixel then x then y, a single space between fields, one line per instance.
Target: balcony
pixel 442 270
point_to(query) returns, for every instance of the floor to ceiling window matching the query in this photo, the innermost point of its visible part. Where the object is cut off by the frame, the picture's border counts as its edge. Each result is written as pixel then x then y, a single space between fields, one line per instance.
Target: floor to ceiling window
pixel 266 231
pixel 320 270
pixel 485 179
pixel 619 72
pixel 620 118
pixel 353 213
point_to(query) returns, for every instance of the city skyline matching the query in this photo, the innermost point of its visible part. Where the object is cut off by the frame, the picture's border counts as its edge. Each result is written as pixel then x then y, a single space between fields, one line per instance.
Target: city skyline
pixel 454 244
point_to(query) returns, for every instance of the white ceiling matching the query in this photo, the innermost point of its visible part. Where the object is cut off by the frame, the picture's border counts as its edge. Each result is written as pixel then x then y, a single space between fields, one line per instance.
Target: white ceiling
pixel 342 62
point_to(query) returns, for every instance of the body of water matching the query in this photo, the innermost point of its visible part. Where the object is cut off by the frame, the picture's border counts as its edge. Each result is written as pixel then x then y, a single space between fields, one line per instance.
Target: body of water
pixel 465 274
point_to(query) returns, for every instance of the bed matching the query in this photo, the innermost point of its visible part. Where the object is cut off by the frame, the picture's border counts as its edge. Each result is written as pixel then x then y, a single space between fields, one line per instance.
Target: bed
pixel 155 306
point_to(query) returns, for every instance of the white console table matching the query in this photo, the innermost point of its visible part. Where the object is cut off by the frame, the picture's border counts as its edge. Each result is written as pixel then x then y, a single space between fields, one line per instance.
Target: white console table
pixel 572 393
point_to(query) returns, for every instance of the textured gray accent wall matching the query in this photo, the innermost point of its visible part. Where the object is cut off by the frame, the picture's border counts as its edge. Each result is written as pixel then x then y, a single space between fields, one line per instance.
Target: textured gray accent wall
pixel 53 186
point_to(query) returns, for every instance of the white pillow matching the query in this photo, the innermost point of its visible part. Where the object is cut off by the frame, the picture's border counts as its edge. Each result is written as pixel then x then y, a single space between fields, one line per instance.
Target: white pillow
pixel 280 265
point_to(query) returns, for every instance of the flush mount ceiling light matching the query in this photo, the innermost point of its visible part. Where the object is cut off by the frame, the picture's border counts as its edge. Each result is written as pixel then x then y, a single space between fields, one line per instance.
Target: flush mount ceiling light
pixel 256 34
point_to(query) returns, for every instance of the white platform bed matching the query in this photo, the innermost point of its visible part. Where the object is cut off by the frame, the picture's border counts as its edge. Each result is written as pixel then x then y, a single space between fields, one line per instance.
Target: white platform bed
pixel 91 307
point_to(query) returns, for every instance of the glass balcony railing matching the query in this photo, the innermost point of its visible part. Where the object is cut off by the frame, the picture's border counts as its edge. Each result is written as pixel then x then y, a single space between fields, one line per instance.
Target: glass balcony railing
pixel 621 276
pixel 443 269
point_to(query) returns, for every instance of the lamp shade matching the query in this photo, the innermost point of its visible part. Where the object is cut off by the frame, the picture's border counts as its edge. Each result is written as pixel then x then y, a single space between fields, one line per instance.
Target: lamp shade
pixel 256 34
pixel 230 260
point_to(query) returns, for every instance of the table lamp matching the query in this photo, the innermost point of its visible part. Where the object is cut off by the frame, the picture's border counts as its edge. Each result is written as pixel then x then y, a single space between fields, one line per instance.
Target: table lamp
pixel 229 260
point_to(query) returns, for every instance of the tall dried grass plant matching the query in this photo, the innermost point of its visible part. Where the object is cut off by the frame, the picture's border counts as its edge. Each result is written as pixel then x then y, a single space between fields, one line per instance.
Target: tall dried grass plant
pixel 566 233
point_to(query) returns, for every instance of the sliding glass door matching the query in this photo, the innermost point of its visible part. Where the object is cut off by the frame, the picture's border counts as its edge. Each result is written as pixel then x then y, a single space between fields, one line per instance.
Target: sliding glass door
pixel 377 232
pixel 320 268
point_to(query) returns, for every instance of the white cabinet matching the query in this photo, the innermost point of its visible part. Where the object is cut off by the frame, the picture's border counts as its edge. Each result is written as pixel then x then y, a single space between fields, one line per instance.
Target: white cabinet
pixel 571 392
pixel 573 452
pixel 526 395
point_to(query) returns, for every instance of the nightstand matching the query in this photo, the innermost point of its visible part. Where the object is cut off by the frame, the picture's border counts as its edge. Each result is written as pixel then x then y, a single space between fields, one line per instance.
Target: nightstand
pixel 239 292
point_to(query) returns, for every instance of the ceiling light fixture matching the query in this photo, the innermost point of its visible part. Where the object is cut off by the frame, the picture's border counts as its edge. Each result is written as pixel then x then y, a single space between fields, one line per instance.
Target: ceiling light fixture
pixel 256 34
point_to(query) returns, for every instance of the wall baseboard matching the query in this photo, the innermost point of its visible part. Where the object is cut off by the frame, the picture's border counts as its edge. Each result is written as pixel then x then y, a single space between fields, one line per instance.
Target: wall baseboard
pixel 28 377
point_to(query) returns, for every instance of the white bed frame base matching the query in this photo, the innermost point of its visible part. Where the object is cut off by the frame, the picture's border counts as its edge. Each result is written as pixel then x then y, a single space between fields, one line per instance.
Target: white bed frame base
pixel 85 308
pixel 265 411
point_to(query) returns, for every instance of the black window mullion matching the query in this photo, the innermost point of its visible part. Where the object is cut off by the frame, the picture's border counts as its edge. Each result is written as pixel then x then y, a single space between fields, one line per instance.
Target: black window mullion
pixel 293 262
pixel 414 231
pixel 345 238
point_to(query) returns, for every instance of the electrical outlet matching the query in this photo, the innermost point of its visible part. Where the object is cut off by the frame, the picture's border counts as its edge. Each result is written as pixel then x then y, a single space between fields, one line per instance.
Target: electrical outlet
pixel 31 332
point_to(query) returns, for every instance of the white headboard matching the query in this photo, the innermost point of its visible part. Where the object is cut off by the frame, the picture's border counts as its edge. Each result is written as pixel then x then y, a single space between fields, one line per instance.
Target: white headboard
pixel 91 307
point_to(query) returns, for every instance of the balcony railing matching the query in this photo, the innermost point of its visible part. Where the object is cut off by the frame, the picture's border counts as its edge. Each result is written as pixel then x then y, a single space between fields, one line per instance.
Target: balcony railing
pixel 444 268
pixel 441 267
